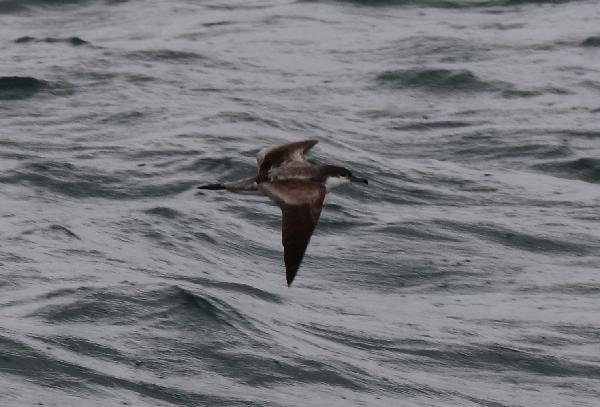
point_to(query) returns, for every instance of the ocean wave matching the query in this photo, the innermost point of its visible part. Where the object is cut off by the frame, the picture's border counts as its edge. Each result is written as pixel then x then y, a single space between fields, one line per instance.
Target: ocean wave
pixel 235 288
pixel 435 80
pixel 415 230
pixel 25 6
pixel 54 230
pixel 431 49
pixel 60 363
pixel 431 125
pixel 513 92
pixel 449 4
pixel 212 308
pixel 527 2
pixel 585 169
pixel 165 305
pixel 124 117
pixel 83 182
pixel 459 80
pixel 165 212
pixel 222 165
pixel 500 357
pixel 75 41
pixel 519 239
pixel 19 87
pixel 243 117
pixel 591 42
pixel 168 55
pixel 23 87
pixel 498 149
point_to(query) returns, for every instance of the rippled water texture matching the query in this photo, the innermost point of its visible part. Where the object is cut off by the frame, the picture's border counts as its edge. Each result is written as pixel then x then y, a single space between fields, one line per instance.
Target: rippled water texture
pixel 467 273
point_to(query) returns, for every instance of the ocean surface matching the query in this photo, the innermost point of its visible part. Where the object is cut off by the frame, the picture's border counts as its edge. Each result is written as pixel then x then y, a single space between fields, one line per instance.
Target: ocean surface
pixel 467 273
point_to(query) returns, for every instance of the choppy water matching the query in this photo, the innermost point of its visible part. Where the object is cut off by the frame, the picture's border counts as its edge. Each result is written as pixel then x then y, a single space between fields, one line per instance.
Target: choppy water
pixel 467 273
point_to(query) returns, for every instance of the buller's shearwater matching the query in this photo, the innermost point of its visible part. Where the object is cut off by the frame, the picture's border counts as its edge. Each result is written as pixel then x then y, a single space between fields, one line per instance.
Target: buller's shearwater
pixel 298 188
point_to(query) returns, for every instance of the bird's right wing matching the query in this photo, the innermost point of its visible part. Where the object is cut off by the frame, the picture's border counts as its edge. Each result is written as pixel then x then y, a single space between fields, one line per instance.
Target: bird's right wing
pixel 301 202
pixel 285 153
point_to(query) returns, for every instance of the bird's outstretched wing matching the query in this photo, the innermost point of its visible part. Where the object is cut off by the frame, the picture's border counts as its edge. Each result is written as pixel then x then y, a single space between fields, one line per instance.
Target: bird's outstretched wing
pixel 291 153
pixel 301 202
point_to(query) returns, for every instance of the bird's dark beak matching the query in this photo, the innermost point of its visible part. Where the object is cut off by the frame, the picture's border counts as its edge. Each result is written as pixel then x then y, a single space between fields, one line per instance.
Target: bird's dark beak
pixel 357 179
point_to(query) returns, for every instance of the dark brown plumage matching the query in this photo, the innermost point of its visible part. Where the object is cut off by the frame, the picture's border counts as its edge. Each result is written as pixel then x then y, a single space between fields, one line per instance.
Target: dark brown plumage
pixel 298 188
pixel 300 202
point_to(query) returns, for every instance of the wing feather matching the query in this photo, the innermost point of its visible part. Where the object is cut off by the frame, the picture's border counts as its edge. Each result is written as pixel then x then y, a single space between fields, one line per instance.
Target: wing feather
pixel 285 153
pixel 301 203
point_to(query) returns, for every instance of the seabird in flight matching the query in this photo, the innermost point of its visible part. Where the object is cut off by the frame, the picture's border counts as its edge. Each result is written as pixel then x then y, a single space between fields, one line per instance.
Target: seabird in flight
pixel 298 188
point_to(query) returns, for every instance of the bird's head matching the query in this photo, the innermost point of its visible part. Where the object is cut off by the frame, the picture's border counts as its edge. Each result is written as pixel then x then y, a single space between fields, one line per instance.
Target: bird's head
pixel 335 175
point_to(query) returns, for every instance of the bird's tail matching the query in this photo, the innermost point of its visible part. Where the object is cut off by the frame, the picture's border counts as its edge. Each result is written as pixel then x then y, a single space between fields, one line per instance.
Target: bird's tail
pixel 248 184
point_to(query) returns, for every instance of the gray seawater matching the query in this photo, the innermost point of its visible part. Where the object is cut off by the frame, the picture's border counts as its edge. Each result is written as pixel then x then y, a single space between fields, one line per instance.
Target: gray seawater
pixel 467 273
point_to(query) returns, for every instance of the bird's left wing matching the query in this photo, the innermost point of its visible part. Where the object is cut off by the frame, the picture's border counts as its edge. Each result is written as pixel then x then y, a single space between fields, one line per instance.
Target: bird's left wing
pixel 301 202
pixel 291 153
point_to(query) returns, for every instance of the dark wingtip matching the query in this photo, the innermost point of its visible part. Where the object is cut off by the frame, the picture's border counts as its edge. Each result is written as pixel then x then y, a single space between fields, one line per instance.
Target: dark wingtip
pixel 211 186
pixel 289 276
